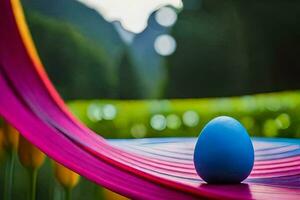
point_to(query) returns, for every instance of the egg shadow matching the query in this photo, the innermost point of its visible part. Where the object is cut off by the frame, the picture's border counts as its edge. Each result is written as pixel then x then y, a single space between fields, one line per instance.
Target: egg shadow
pixel 232 191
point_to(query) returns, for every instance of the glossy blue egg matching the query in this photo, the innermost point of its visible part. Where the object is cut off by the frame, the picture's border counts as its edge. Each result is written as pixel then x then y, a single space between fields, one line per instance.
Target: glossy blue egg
pixel 224 152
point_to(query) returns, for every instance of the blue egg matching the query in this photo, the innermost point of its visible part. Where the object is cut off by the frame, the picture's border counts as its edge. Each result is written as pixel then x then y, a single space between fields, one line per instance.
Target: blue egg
pixel 224 152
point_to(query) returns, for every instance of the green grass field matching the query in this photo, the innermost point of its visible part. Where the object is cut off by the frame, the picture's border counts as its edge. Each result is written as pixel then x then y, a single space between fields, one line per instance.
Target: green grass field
pixel 270 115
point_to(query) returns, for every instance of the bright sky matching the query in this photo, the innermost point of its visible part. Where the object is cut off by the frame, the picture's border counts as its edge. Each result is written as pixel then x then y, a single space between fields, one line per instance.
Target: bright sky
pixel 132 14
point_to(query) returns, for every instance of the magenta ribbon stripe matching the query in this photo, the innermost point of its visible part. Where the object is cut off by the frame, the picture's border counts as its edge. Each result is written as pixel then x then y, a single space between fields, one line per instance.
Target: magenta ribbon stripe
pixel 142 169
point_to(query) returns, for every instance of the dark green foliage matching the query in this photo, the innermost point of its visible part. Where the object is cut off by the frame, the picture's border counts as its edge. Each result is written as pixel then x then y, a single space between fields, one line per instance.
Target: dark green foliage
pixel 77 67
pixel 235 47
pixel 129 86
pixel 86 20
pixel 129 65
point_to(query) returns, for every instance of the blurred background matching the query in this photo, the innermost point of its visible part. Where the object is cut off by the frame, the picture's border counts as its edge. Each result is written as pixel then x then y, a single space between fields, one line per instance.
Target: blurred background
pixel 134 69
pixel 99 50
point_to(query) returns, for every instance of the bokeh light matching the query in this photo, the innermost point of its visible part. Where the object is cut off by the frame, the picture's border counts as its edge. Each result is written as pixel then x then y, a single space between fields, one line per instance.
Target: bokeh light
pixel 190 118
pixel 166 16
pixel 273 104
pixel 109 112
pixel 158 122
pixel 94 112
pixel 138 130
pixel 165 45
pixel 283 121
pixel 173 121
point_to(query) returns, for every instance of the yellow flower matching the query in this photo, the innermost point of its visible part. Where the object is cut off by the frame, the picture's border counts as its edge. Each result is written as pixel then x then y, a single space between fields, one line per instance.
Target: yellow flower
pixel 11 137
pixel 67 178
pixel 108 194
pixel 2 150
pixel 30 156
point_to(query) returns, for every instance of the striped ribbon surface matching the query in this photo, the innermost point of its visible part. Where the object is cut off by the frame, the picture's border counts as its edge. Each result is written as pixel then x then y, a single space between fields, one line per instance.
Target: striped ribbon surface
pixel 276 171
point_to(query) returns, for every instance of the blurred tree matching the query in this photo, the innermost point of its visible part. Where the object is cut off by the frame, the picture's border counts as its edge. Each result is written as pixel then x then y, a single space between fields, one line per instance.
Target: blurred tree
pixel 235 47
pixel 86 20
pixel 211 57
pixel 127 64
pixel 78 68
pixel 272 34
pixel 129 87
pixel 149 66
